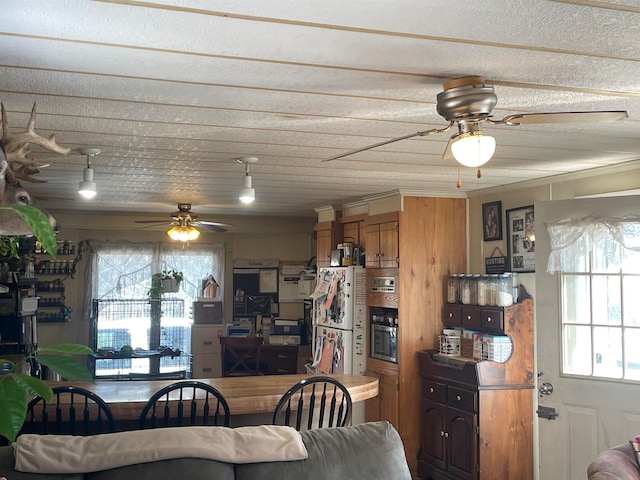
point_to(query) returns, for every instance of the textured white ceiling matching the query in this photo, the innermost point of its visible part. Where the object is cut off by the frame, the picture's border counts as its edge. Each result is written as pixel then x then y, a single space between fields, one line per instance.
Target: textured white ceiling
pixel 173 91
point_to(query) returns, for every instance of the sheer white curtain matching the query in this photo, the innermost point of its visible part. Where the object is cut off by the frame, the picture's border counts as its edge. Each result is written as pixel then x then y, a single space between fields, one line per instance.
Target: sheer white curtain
pixel 617 238
pixel 122 269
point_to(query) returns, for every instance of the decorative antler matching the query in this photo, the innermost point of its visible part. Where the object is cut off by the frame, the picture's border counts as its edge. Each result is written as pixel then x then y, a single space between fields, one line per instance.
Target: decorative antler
pixel 15 146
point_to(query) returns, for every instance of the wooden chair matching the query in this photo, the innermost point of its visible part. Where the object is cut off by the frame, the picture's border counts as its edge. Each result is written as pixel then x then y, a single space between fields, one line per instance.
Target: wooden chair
pixel 193 403
pixel 321 401
pixel 72 411
pixel 240 356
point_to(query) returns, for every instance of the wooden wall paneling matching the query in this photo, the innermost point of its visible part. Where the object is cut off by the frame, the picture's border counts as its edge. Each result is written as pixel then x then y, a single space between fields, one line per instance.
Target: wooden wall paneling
pixel 432 244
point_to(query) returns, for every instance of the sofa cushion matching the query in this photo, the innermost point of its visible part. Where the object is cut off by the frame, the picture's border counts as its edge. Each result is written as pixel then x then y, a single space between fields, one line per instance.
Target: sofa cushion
pixel 177 468
pixel 361 452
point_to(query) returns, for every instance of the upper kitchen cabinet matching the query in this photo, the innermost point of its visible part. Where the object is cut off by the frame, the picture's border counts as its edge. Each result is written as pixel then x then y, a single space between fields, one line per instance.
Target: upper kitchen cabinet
pixel 328 235
pixel 353 230
pixel 382 240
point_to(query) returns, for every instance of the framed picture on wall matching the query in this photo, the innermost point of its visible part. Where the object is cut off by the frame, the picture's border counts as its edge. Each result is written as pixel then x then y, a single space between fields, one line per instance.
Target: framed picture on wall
pixel 492 221
pixel 521 239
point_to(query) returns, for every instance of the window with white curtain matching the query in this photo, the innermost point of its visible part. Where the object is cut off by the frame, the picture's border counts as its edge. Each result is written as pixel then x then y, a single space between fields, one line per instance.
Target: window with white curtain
pixel 120 278
pixel 599 264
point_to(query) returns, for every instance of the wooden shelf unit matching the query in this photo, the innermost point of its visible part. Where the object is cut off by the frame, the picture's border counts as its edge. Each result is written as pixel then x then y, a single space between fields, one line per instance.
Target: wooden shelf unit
pixel 477 417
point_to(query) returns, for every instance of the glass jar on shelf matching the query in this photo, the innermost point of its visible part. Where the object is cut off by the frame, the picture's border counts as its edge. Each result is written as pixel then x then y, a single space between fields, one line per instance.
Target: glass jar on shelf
pixel 504 293
pixel 453 288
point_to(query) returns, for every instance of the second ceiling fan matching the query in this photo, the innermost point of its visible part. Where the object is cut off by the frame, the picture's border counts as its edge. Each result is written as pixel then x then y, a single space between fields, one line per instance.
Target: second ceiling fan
pixel 184 223
pixel 467 102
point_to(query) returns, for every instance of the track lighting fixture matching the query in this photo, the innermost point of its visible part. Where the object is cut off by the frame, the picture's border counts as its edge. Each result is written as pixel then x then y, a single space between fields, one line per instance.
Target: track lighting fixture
pixel 248 193
pixel 87 187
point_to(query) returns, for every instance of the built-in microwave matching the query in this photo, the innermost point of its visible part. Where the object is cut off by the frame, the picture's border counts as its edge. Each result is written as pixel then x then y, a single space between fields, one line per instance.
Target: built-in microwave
pixel 382 287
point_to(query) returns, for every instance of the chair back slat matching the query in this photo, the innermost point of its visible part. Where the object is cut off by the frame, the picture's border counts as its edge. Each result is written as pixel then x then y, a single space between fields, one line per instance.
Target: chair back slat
pixel 319 401
pixel 76 411
pixel 189 407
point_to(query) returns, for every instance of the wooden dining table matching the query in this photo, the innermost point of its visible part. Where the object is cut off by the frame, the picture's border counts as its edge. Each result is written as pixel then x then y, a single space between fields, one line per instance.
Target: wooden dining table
pixel 247 396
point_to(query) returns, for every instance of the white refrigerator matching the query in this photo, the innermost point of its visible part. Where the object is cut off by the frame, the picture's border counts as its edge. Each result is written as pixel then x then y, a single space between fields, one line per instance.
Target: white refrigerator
pixel 339 321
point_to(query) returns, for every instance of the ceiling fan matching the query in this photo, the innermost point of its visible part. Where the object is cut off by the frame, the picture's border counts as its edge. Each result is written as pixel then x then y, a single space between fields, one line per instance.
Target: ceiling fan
pixel 184 223
pixel 467 102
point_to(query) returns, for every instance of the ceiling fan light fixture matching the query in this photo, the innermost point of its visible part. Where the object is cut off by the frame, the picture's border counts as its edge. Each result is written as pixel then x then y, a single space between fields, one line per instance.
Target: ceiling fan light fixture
pixel 473 149
pixel 183 233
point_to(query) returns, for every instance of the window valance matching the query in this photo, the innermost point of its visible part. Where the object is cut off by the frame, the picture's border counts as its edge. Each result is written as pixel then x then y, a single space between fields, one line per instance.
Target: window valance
pixel 571 239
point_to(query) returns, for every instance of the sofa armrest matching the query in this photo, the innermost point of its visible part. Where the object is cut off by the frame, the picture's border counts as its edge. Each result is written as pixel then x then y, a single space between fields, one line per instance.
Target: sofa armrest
pixel 615 463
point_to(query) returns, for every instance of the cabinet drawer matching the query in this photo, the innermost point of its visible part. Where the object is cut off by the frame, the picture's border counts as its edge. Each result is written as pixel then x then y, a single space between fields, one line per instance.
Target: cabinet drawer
pixel 462 399
pixel 471 318
pixel 452 315
pixel 434 391
pixel 492 319
pixel 207 365
pixel 206 338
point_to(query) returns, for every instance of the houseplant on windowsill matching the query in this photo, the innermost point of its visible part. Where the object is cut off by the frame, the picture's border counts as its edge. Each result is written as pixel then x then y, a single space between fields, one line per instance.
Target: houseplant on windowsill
pixel 15 388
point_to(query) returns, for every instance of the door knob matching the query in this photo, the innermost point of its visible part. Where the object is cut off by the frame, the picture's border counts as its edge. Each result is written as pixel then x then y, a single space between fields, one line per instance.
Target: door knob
pixel 546 389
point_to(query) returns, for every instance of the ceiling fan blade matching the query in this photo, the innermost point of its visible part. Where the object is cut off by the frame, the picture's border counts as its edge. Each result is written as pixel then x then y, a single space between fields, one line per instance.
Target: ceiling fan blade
pixel 393 140
pixel 159 222
pixel 212 227
pixel 565 117
pixel 206 222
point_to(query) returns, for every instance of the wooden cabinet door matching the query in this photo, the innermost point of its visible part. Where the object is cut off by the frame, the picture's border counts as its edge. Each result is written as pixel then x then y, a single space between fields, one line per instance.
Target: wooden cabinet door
pixel 324 245
pixel 389 399
pixel 433 431
pixel 372 240
pixel 351 232
pixel 388 244
pixel 462 452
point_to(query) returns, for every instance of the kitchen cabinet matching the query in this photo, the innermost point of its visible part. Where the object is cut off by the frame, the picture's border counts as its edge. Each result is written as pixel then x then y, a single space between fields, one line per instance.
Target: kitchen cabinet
pixel 431 243
pixel 386 405
pixel 328 235
pixel 381 233
pixel 353 230
pixel 477 417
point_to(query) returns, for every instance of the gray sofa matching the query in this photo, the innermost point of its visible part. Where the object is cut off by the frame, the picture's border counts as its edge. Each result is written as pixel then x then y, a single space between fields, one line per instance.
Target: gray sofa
pixel 366 451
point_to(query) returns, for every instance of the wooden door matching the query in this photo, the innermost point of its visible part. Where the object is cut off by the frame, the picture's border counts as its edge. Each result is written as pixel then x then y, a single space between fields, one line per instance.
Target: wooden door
pixel 388 246
pixel 433 430
pixel 324 245
pixel 372 239
pixel 389 403
pixel 462 454
pixel 351 232
pixel 592 414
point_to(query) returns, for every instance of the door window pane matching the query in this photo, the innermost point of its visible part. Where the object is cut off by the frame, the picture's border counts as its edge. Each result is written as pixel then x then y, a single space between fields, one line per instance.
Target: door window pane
pixel 577 349
pixel 576 299
pixel 607 346
pixel 605 297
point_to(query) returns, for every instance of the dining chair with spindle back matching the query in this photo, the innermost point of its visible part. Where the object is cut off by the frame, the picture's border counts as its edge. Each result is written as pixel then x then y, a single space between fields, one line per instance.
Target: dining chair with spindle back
pixel 314 402
pixel 72 411
pixel 185 404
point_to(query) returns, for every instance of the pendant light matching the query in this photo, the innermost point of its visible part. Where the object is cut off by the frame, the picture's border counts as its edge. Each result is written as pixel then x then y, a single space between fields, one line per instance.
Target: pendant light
pixel 248 193
pixel 87 187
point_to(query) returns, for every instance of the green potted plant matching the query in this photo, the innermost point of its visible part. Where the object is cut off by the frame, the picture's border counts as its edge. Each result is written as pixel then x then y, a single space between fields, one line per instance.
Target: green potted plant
pixel 166 282
pixel 16 388
pixel 171 280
